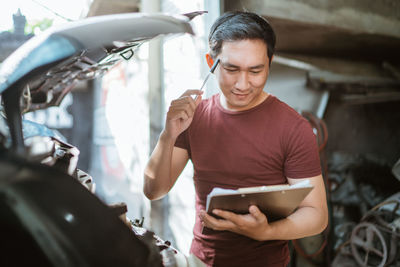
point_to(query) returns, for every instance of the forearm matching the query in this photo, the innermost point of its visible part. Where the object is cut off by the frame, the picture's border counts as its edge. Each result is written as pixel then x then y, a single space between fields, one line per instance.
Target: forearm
pixel 167 162
pixel 306 221
pixel 157 174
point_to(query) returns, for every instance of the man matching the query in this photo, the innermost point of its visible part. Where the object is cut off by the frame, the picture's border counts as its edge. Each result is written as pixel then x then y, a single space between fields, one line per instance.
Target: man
pixel 239 138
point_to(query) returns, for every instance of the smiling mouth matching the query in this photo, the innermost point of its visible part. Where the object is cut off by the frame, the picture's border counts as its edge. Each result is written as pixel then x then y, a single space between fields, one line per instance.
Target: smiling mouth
pixel 240 95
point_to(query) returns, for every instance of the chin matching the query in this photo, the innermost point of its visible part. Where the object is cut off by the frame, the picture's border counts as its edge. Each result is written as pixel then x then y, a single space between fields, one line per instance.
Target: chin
pixel 238 104
pixel 241 100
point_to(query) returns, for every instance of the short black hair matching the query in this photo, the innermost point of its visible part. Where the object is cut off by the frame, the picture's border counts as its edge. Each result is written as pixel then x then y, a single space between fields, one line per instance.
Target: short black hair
pixel 240 25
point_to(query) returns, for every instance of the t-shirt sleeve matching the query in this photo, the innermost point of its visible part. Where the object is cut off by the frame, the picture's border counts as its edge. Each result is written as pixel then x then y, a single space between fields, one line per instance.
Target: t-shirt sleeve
pixel 302 155
pixel 183 141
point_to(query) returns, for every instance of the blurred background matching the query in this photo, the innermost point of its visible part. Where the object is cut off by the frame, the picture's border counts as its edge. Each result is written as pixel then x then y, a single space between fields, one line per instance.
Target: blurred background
pixel 337 63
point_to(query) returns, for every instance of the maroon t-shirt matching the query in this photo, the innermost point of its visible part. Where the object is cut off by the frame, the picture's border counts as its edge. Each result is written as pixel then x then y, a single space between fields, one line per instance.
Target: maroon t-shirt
pixel 259 146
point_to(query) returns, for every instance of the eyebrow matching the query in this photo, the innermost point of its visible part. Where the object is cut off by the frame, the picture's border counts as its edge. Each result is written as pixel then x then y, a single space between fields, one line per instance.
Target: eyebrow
pixel 229 65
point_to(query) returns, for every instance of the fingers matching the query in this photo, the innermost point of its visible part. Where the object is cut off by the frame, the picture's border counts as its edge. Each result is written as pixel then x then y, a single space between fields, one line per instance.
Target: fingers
pixel 185 106
pixel 227 215
pixel 197 100
pixel 182 108
pixel 253 225
pixel 254 217
pixel 181 112
pixel 255 211
pixel 186 99
pixel 195 92
pixel 214 223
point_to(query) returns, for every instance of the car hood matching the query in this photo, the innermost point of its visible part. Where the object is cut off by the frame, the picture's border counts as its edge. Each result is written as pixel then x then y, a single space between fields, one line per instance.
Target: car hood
pixel 47 67
pixel 51 63
pixel 48 215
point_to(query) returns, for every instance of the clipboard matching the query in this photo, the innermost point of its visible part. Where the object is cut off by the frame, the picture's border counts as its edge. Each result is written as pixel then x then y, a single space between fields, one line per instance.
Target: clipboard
pixel 276 201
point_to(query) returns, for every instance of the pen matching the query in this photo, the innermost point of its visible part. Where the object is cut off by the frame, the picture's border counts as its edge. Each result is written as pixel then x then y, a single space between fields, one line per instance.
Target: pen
pixel 214 66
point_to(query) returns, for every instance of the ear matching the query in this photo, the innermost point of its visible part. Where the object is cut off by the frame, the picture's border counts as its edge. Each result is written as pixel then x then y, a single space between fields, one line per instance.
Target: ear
pixel 209 59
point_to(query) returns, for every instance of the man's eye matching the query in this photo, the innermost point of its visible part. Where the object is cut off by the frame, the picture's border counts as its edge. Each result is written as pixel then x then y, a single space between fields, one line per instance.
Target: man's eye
pixel 230 70
pixel 255 71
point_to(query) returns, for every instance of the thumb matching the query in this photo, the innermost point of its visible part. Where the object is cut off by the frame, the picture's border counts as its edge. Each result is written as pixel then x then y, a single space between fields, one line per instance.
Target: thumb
pixel 198 99
pixel 255 211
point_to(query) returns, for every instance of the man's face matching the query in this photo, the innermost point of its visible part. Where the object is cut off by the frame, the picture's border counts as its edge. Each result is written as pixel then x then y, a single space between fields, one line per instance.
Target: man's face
pixel 242 74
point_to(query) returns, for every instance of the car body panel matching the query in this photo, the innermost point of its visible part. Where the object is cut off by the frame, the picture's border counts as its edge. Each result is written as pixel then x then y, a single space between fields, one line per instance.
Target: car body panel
pixel 49 217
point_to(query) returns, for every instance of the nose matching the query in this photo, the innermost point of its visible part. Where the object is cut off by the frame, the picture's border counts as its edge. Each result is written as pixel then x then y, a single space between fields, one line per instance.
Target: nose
pixel 242 82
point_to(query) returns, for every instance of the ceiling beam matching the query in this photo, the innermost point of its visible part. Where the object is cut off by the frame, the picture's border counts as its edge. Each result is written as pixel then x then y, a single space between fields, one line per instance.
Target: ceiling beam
pixel 347 29
pixel 365 16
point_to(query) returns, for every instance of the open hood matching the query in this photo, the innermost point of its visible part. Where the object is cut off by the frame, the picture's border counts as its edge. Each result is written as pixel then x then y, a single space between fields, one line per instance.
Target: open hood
pixel 49 214
pixel 47 66
pixel 80 50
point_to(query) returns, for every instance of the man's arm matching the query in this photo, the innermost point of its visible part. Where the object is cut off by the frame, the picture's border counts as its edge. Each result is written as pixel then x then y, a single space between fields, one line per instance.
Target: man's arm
pixel 163 168
pixel 309 219
pixel 167 162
